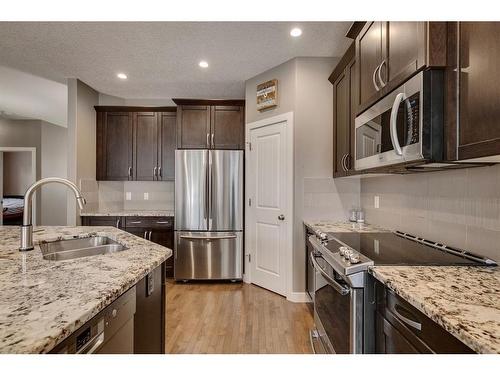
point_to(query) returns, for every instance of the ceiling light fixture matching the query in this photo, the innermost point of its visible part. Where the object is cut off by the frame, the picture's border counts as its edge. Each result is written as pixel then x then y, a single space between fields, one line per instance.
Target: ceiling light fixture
pixel 203 64
pixel 295 32
pixel 122 75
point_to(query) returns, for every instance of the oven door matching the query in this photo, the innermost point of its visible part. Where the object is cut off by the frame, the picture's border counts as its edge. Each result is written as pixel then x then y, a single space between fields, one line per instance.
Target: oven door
pixel 390 132
pixel 332 308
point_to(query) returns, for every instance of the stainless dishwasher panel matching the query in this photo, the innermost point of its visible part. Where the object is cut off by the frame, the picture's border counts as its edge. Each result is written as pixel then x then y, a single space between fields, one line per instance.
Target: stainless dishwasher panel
pixel 110 332
pixel 208 255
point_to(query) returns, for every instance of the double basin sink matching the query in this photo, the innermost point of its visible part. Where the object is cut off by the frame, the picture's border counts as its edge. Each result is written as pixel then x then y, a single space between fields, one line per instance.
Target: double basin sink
pixel 79 248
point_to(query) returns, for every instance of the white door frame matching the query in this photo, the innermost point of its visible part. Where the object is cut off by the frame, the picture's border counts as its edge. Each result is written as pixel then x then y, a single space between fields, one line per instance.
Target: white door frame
pixel 33 169
pixel 288 118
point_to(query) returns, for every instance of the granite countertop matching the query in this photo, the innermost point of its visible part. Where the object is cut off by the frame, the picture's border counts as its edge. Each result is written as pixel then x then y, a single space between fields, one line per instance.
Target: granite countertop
pixel 130 213
pixel 463 300
pixel 341 226
pixel 42 302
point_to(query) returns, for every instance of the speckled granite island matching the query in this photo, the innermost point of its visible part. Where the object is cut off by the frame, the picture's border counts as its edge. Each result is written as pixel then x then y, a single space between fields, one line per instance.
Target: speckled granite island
pixel 133 213
pixel 463 300
pixel 42 302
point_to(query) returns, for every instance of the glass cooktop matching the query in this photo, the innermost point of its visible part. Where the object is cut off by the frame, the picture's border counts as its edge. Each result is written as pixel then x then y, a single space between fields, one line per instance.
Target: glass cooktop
pixel 386 248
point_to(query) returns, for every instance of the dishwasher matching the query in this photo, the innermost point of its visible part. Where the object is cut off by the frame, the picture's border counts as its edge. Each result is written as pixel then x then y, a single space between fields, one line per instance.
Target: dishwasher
pixel 111 331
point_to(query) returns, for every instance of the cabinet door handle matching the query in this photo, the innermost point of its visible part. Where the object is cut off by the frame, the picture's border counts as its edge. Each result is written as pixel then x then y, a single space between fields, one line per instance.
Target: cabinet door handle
pixel 129 172
pixel 150 233
pixel 154 172
pixel 159 172
pixel 213 140
pixel 342 163
pixel 374 78
pixel 145 235
pixel 379 74
pixel 208 139
pixel 117 223
pixel 346 166
pixel 411 323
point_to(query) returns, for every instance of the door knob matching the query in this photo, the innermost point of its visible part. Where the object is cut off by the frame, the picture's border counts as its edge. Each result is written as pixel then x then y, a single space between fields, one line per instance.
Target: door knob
pixel 281 217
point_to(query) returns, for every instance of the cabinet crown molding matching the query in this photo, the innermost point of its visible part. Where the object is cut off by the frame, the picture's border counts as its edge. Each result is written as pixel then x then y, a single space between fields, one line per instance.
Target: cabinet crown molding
pixel 235 102
pixel 120 108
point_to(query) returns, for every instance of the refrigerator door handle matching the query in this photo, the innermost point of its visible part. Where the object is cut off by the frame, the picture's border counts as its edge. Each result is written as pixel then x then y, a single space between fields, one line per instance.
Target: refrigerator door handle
pixel 223 237
pixel 209 195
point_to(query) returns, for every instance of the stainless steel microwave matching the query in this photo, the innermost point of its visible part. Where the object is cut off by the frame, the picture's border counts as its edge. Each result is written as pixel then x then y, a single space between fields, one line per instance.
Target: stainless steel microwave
pixel 403 128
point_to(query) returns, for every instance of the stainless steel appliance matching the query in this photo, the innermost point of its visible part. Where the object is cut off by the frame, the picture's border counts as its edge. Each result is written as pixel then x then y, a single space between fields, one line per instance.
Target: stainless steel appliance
pixel 344 297
pixel 404 130
pixel 208 215
pixel 109 332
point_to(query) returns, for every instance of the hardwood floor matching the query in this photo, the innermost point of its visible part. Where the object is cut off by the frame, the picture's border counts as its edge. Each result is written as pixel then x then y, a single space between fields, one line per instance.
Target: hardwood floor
pixel 234 318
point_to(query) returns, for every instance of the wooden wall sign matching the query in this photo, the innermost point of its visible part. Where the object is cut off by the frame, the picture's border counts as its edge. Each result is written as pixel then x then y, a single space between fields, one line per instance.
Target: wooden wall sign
pixel 267 95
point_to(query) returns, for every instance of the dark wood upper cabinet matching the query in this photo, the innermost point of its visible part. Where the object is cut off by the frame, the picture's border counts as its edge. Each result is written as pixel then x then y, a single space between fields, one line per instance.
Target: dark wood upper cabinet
pixel 479 87
pixel 389 53
pixel 114 157
pixel 168 124
pixel 146 146
pixel 344 82
pixel 193 126
pixel 135 143
pixel 228 128
pixel 217 124
pixel 369 55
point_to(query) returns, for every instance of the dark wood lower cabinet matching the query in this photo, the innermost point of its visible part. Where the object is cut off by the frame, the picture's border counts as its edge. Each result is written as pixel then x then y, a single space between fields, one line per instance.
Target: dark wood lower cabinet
pixel 159 230
pixel 403 329
pixel 149 319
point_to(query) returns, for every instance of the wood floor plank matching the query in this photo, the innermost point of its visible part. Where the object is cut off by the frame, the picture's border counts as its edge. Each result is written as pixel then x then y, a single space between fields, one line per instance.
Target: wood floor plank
pixel 234 318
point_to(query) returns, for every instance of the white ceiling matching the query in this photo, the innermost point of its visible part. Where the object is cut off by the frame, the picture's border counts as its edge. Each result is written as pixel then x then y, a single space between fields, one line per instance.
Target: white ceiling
pixel 161 58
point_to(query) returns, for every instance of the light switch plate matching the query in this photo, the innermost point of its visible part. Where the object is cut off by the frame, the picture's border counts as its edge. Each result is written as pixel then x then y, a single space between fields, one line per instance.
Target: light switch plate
pixel 146 196
pixel 376 201
pixel 128 195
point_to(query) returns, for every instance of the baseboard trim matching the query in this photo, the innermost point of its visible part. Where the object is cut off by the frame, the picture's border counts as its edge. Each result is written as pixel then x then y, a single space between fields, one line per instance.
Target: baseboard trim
pixel 299 297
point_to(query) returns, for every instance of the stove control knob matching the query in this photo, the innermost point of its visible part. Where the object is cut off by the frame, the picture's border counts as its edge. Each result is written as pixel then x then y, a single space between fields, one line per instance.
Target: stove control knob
pixel 354 258
pixel 347 253
pixel 342 250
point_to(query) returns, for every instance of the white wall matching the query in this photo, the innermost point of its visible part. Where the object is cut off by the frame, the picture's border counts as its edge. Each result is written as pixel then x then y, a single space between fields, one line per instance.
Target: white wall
pixel 81 138
pixel 54 164
pixel 17 172
pixel 459 208
pixel 304 89
pixel 32 97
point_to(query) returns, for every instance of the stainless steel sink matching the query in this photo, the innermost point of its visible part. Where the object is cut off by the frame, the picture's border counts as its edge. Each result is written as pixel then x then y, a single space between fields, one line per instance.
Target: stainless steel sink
pixel 79 248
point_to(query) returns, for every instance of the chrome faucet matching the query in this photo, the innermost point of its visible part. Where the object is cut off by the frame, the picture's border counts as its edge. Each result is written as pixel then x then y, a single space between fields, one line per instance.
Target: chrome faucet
pixel 27 227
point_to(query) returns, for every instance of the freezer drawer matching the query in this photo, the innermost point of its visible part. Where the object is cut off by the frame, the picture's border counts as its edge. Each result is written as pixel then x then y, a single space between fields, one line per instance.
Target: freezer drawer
pixel 208 255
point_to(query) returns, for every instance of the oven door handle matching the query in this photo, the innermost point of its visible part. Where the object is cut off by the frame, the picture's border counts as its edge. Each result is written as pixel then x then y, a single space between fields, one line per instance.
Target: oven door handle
pixel 393 125
pixel 342 290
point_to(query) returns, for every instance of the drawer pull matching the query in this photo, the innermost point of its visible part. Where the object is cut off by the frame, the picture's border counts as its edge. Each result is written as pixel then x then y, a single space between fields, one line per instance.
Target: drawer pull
pixel 163 222
pixel 409 322
pixel 135 222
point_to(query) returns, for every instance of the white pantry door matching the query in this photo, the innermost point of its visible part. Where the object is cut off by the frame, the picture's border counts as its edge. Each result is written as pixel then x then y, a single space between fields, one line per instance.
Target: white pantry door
pixel 269 221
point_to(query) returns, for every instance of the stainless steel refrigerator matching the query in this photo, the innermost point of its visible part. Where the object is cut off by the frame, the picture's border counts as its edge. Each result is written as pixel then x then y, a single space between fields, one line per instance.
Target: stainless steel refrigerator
pixel 208 215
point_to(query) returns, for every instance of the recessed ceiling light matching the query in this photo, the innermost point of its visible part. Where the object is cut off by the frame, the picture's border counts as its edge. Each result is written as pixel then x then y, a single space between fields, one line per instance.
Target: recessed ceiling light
pixel 122 75
pixel 203 64
pixel 295 32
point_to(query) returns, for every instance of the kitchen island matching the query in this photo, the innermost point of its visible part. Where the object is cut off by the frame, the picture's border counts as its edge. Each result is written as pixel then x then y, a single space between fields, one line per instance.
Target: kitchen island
pixel 42 302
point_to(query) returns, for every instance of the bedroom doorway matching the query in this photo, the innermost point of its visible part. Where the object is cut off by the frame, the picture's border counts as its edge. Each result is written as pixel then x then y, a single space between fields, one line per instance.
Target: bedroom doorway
pixel 17 173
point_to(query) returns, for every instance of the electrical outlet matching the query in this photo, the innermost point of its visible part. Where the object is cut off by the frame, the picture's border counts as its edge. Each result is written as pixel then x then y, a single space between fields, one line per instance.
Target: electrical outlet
pixel 146 196
pixel 376 201
pixel 128 196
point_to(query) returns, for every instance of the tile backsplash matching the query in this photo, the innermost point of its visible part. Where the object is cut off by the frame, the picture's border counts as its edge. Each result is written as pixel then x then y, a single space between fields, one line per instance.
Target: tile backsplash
pixel 460 208
pixel 111 195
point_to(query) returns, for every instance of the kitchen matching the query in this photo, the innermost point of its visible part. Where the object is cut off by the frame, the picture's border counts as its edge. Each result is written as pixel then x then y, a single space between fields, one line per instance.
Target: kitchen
pixel 336 195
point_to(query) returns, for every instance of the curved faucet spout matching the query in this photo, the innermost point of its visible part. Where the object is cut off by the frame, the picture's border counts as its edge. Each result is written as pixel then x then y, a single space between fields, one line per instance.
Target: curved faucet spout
pixel 27 227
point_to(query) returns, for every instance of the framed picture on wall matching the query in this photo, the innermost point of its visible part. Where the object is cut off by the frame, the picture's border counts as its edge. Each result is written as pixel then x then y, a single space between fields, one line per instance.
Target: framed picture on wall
pixel 267 95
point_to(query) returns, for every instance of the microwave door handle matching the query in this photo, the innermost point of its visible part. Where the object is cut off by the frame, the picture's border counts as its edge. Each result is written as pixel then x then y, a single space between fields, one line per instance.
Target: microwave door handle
pixel 342 290
pixel 393 124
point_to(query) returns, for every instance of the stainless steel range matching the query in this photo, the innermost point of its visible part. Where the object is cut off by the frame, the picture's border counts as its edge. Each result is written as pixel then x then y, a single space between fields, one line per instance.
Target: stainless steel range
pixel 344 290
